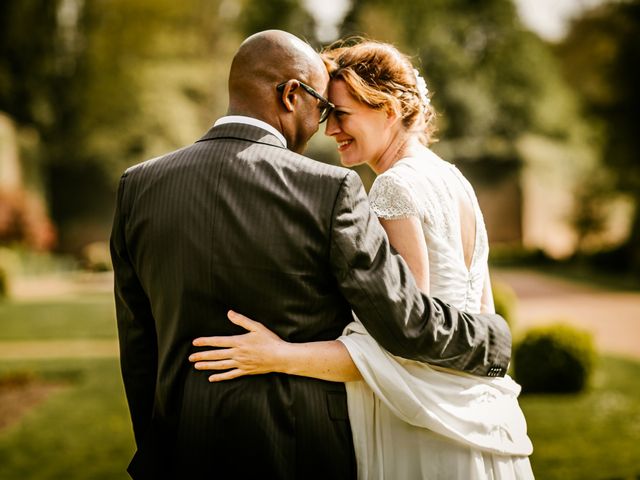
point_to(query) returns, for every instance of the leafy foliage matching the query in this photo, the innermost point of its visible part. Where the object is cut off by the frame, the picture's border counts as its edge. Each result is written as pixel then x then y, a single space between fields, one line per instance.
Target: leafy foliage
pixel 27 66
pixel 286 15
pixel 107 84
pixel 601 59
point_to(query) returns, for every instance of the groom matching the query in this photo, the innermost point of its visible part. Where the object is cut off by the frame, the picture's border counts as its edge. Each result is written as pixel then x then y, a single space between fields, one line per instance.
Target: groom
pixel 240 220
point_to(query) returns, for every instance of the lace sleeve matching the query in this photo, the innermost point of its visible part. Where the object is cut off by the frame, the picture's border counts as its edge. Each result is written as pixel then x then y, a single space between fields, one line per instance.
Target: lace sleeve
pixel 390 198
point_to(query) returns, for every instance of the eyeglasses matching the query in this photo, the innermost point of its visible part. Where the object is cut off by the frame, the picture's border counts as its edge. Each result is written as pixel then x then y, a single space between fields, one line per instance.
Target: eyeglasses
pixel 325 105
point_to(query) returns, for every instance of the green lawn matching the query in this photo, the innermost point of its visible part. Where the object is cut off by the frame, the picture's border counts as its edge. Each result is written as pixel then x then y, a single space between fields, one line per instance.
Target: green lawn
pixel 83 431
pixel 594 435
pixel 88 316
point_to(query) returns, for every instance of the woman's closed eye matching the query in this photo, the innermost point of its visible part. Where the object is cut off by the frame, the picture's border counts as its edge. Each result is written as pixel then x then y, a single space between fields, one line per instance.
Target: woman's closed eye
pixel 338 114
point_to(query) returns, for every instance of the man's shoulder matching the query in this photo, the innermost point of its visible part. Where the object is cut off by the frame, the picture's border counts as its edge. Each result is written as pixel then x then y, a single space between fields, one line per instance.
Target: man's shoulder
pixel 155 162
pixel 314 167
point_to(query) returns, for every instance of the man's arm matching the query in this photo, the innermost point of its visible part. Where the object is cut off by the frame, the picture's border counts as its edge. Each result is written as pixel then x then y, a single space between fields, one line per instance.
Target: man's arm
pixel 383 294
pixel 136 328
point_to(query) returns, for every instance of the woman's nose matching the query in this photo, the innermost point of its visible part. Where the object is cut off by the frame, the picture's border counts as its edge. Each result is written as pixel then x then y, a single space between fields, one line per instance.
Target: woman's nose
pixel 332 126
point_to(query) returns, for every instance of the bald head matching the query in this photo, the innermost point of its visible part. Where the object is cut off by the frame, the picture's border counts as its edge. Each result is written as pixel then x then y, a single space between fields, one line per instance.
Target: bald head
pixel 264 60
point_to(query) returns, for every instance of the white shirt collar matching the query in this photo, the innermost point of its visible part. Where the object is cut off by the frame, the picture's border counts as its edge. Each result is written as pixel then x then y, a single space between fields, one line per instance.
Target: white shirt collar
pixel 251 121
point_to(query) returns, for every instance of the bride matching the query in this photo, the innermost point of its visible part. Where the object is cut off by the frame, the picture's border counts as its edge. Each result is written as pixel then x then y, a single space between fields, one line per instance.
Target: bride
pixel 409 419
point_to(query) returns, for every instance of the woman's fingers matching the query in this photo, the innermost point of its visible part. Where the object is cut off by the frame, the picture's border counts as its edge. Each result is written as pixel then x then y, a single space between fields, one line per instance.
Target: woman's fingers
pixel 211 355
pixel 242 321
pixel 230 341
pixel 219 377
pixel 216 365
pixel 249 354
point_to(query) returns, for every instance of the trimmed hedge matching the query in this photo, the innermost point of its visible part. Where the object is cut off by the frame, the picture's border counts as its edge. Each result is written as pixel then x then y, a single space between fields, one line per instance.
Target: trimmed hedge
pixel 554 359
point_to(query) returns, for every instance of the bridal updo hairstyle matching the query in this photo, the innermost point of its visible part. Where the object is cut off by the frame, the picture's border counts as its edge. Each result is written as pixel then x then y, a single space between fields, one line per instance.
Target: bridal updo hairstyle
pixel 380 76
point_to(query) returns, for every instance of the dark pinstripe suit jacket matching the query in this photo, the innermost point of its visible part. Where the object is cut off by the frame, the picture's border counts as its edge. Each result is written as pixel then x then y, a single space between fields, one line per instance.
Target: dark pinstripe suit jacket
pixel 237 221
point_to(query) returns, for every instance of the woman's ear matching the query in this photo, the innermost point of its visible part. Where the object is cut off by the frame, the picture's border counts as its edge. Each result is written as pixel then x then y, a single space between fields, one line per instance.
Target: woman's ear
pixel 393 115
pixel 288 96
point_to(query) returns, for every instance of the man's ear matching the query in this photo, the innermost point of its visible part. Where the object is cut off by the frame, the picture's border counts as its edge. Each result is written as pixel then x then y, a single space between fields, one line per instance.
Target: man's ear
pixel 289 97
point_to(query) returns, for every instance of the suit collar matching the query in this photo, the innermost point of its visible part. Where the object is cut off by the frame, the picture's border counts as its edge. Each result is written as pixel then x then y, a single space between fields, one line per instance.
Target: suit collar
pixel 251 121
pixel 242 131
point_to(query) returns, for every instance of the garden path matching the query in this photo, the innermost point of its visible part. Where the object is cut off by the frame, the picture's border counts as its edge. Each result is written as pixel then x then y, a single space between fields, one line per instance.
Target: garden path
pixel 612 316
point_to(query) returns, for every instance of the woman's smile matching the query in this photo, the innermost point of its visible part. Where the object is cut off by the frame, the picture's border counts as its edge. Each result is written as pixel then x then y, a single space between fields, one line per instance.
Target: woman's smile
pixel 344 144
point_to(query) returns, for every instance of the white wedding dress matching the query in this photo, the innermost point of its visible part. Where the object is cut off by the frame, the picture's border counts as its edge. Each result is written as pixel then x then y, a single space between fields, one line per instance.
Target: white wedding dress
pixel 411 420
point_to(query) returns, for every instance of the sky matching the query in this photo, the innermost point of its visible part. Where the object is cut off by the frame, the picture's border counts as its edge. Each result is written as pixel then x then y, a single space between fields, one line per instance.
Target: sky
pixel 548 18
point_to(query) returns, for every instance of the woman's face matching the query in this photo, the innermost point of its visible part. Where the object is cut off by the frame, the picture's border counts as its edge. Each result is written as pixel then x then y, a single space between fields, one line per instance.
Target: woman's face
pixel 363 134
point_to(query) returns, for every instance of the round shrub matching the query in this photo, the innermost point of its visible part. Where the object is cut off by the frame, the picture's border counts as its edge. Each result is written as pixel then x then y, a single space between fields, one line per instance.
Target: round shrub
pixel 554 359
pixel 505 301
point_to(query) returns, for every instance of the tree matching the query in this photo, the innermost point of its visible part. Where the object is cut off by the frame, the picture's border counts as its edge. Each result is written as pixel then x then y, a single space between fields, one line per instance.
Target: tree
pixel 601 59
pixel 27 53
pixel 258 15
pixel 107 84
pixel 27 71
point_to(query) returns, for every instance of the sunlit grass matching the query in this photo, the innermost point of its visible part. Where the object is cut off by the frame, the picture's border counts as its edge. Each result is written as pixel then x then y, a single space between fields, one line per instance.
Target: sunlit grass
pixel 87 316
pixel 80 432
pixel 83 431
pixel 593 435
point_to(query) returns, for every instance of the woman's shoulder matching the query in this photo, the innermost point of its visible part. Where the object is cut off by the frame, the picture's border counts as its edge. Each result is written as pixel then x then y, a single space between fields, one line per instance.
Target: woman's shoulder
pixel 392 195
